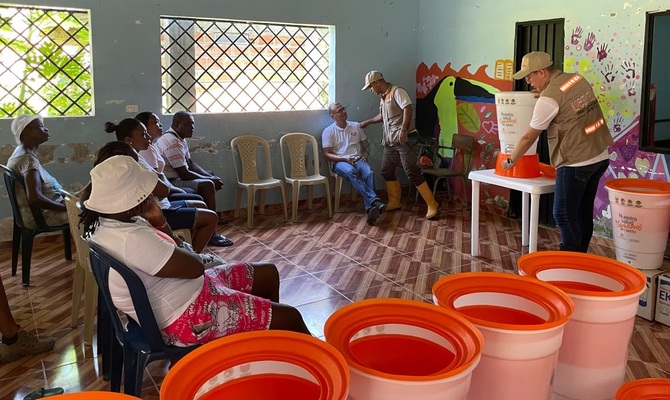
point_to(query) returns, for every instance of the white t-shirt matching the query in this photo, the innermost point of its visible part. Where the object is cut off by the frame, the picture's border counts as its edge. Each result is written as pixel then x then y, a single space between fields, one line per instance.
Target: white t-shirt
pixel 145 250
pixel 153 158
pixel 344 141
pixel 175 152
pixel 164 203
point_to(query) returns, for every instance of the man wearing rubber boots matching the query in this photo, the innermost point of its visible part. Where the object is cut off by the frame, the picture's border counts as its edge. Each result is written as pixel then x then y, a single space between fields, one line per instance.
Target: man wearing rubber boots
pixel 395 111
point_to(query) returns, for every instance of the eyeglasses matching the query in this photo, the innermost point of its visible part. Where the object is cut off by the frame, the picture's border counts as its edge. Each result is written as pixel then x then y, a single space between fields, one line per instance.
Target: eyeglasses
pixel 341 110
pixel 530 75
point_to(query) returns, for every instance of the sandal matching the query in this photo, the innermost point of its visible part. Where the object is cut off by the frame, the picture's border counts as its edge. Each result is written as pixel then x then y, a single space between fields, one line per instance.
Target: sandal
pixel 220 241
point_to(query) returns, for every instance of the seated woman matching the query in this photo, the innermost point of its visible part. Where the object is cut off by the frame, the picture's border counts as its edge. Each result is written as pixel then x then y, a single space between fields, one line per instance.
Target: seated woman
pixel 180 214
pixel 153 157
pixel 42 189
pixel 192 304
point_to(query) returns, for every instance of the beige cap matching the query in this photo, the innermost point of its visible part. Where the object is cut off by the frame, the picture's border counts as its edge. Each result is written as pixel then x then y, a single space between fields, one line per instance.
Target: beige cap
pixel 532 62
pixel 20 123
pixel 372 76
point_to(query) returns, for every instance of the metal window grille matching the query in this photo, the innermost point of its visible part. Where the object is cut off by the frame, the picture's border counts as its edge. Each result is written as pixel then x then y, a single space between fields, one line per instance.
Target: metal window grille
pixel 45 62
pixel 212 66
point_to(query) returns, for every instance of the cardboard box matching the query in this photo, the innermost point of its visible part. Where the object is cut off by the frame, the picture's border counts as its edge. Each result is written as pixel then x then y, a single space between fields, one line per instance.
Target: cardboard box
pixel 647 304
pixel 662 313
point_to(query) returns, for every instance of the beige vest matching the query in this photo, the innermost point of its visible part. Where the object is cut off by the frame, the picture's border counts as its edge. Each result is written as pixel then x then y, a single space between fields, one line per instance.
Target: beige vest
pixel 579 131
pixel 392 117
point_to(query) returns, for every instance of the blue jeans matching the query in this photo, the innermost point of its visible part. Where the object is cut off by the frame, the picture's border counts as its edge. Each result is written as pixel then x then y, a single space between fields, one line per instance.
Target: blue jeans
pixel 576 189
pixel 361 178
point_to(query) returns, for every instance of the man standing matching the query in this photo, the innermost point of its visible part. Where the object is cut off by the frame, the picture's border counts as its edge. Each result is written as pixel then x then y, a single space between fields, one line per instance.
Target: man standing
pixel 578 138
pixel 182 171
pixel 346 146
pixel 395 111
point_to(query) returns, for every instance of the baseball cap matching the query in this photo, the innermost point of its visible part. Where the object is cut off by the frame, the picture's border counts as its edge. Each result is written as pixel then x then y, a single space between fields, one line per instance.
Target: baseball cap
pixel 372 76
pixel 531 62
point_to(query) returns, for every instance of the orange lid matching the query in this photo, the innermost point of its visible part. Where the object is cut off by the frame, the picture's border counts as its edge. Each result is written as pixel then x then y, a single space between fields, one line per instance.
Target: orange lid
pixel 631 279
pixel 640 186
pixel 93 396
pixel 527 167
pixel 645 389
pixel 458 331
pixel 317 357
pixel 557 304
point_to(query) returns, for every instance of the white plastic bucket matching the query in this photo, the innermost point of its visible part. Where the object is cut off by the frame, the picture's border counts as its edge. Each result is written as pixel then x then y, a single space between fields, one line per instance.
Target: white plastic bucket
pixel 592 359
pixel 640 211
pixel 522 321
pixel 514 111
pixel 402 349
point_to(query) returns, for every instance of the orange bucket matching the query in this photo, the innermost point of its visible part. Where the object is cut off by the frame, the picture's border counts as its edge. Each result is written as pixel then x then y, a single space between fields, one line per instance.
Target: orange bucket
pixel 93 396
pixel 527 167
pixel 403 349
pixel 522 321
pixel 645 389
pixel 269 365
pixel 592 359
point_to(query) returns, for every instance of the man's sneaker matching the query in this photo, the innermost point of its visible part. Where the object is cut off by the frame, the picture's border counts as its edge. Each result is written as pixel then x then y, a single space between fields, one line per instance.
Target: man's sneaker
pixel 373 215
pixel 27 344
pixel 380 206
pixel 211 260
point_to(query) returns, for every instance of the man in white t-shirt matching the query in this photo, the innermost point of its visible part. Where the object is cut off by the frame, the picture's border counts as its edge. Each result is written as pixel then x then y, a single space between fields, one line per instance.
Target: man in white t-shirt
pixel 345 146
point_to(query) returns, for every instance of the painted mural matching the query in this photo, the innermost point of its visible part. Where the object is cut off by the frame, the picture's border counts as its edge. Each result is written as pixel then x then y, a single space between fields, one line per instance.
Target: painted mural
pixel 450 101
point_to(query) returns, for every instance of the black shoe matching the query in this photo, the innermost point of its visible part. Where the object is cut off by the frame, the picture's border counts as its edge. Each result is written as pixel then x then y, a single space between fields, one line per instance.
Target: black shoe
pixel 373 215
pixel 379 205
pixel 220 241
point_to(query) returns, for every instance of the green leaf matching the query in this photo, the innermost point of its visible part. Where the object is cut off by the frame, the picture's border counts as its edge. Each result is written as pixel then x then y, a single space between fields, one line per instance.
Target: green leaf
pixel 468 117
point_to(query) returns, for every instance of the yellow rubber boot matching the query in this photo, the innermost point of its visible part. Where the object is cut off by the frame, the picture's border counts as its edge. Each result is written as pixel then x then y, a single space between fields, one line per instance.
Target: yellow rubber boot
pixel 429 199
pixel 393 191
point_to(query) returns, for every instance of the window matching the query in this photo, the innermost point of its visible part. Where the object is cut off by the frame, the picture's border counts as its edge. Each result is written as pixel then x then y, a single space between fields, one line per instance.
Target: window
pixel 45 62
pixel 233 66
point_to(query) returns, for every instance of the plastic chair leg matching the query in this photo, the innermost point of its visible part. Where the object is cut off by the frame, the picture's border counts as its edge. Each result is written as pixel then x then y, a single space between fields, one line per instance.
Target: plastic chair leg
pixel 26 255
pixel 77 290
pixel 283 200
pixel 338 192
pixel 90 302
pixel 294 204
pixel 133 372
pixel 238 199
pixel 250 207
pixel 16 244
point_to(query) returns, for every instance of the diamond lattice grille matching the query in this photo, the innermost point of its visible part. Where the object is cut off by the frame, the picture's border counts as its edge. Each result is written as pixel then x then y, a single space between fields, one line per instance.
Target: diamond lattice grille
pixel 233 66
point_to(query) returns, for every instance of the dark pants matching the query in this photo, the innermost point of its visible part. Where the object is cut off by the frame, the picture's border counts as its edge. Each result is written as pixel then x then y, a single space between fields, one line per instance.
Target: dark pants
pixel 397 154
pixel 576 189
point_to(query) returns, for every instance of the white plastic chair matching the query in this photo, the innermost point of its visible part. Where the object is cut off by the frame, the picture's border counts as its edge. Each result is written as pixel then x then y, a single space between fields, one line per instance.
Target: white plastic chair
pixel 300 173
pixel 252 177
pixel 84 281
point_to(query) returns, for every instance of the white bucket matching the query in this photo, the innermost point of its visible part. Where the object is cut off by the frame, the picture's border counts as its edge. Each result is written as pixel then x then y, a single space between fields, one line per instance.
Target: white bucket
pixel 515 111
pixel 593 356
pixel 402 349
pixel 522 320
pixel 640 211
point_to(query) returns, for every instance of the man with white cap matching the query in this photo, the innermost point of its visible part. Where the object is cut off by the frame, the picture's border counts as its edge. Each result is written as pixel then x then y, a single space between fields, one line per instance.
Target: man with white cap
pixel 42 189
pixel 578 137
pixel 396 113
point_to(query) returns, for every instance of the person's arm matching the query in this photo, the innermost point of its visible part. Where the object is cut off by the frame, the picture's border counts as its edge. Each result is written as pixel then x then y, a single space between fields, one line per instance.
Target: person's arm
pixel 182 265
pixel 34 193
pixel 374 120
pixel 521 147
pixel 329 155
pixel 195 167
pixel 406 120
pixel 161 190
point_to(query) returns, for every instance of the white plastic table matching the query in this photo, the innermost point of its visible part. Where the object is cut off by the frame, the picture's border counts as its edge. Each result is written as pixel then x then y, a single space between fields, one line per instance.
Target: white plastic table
pixel 530 187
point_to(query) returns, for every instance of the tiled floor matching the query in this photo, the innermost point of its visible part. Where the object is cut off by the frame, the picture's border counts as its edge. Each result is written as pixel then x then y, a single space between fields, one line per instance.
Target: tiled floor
pixel 324 264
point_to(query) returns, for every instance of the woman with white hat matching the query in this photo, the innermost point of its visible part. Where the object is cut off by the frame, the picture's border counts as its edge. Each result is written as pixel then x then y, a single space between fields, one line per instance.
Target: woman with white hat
pixel 192 303
pixel 42 189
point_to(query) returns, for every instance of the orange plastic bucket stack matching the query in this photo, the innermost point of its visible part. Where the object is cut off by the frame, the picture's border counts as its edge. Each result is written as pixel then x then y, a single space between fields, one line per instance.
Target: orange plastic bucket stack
pixel 269 365
pixel 402 349
pixel 645 389
pixel 592 359
pixel 93 396
pixel 522 321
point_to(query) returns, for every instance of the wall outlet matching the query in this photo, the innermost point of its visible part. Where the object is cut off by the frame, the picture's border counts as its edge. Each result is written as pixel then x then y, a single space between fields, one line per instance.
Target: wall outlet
pixel 132 108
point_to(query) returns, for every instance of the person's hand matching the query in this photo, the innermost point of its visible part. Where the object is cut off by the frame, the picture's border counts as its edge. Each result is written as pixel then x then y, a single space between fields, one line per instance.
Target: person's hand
pixel 365 123
pixel 217 183
pixel 506 164
pixel 354 159
pixel 151 211
pixel 403 136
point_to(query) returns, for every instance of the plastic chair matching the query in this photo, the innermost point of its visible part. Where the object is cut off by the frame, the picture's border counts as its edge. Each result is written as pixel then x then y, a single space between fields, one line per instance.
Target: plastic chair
pixel 22 235
pixel 141 344
pixel 249 177
pixel 338 187
pixel 463 147
pixel 84 281
pixel 299 173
